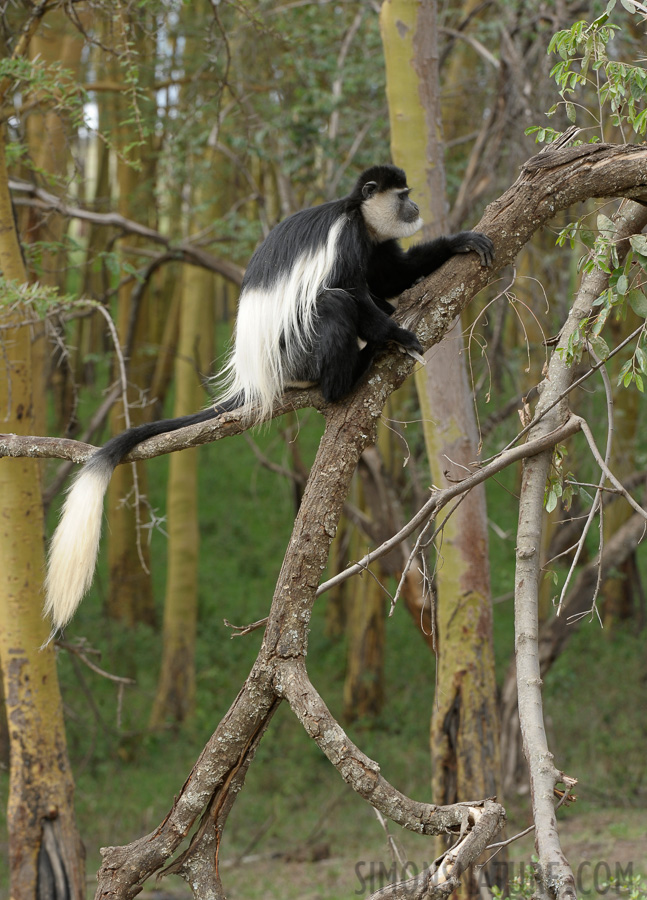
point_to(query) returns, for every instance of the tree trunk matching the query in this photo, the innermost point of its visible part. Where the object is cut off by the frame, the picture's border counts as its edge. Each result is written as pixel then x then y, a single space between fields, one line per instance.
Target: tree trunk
pixel 175 696
pixel 365 629
pixel 45 853
pixel 47 138
pixel 130 594
pixel 464 728
pixel 619 588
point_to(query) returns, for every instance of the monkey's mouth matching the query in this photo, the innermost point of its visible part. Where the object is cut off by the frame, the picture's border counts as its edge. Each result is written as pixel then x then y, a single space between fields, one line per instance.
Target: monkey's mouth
pixel 409 228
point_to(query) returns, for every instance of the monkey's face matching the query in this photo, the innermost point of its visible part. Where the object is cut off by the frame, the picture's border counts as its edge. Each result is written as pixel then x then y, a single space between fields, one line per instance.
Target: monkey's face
pixel 389 214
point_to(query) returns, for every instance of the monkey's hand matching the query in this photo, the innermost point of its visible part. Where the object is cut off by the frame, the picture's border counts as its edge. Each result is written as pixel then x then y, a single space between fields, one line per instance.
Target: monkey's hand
pixel 417 356
pixel 409 343
pixel 465 241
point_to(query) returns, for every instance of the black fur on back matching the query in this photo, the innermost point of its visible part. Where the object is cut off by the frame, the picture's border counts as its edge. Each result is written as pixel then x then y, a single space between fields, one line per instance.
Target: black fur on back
pixel 307 230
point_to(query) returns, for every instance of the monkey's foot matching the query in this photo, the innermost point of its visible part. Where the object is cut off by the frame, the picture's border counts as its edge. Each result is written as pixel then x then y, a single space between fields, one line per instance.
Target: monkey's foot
pixel 417 356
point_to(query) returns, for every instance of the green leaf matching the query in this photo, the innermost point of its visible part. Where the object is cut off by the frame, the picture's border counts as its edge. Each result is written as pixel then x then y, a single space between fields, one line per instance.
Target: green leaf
pixel 622 285
pixel 587 237
pixel 625 368
pixel 641 260
pixel 585 494
pixel 567 498
pixel 599 347
pixel 638 302
pixel 639 243
pixel 629 6
pixel 570 112
pixel 600 321
pixel 551 501
pixel 640 122
pixel 556 71
pixel 606 226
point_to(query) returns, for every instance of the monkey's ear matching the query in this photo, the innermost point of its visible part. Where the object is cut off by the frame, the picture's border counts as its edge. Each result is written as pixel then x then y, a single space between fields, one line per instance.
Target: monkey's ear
pixel 369 189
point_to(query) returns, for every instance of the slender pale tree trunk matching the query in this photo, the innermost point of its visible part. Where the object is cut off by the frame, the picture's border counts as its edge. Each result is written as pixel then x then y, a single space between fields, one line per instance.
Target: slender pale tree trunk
pixel 464 728
pixel 175 696
pixel 619 588
pixel 365 630
pixel 49 152
pixel 130 594
pixel 45 852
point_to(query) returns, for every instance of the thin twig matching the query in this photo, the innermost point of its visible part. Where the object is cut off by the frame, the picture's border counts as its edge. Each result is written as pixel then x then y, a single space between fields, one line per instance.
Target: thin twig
pixel 42 199
pixel 441 497
pixel 524 431
pixel 81 654
pixel 597 503
pixel 239 630
pixel 586 431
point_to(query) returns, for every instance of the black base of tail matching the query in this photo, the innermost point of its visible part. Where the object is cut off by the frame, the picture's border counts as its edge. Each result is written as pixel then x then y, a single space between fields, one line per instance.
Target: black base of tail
pixel 114 450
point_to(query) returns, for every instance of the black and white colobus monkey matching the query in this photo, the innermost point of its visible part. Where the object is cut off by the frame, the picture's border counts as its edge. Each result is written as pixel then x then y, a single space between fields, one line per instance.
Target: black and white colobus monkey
pixel 313 309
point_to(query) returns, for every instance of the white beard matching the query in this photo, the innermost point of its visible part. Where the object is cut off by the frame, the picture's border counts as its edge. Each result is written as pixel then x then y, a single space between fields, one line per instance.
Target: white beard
pixel 381 216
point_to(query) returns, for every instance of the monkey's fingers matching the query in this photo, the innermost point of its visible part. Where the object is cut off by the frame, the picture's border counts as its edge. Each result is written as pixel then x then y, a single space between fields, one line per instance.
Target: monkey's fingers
pixel 417 356
pixel 484 247
pixel 480 243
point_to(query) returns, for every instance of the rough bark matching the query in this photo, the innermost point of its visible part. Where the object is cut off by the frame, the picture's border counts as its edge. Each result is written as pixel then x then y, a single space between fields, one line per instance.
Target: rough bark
pixel 45 852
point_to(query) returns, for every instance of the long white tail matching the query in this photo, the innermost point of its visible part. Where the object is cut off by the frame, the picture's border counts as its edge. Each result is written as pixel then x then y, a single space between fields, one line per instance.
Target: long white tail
pixel 75 545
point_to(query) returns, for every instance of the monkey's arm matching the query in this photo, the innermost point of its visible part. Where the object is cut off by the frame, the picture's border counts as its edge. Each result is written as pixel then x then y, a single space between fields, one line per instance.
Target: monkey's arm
pixel 376 327
pixel 393 270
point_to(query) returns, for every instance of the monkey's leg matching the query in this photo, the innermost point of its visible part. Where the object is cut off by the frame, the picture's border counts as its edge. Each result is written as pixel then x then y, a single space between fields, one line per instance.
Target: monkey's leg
pixel 376 327
pixel 336 348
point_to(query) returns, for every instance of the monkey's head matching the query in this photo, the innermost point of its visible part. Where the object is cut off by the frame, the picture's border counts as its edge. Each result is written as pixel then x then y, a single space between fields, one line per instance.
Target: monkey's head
pixel 386 206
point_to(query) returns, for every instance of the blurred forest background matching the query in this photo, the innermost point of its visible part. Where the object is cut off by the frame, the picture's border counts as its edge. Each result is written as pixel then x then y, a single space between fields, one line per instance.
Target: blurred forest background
pixel 148 147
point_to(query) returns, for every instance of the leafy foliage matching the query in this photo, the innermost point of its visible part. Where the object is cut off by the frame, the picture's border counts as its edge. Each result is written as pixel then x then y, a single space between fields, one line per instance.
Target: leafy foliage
pixel 591 83
pixel 32 301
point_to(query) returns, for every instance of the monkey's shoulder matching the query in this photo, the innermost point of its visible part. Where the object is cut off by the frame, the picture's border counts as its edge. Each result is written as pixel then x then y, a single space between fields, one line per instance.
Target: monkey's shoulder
pixel 331 227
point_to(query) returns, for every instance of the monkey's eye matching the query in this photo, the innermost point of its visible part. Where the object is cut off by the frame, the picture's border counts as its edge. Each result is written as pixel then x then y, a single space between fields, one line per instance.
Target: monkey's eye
pixel 404 194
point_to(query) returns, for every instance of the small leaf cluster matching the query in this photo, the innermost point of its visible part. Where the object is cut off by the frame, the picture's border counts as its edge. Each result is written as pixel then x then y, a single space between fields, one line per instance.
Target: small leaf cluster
pixel 625 290
pixel 33 300
pixel 55 86
pixel 589 81
pixel 560 484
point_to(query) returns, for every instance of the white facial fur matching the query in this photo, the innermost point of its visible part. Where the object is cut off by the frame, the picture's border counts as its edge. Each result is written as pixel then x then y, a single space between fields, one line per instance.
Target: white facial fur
pixel 381 214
